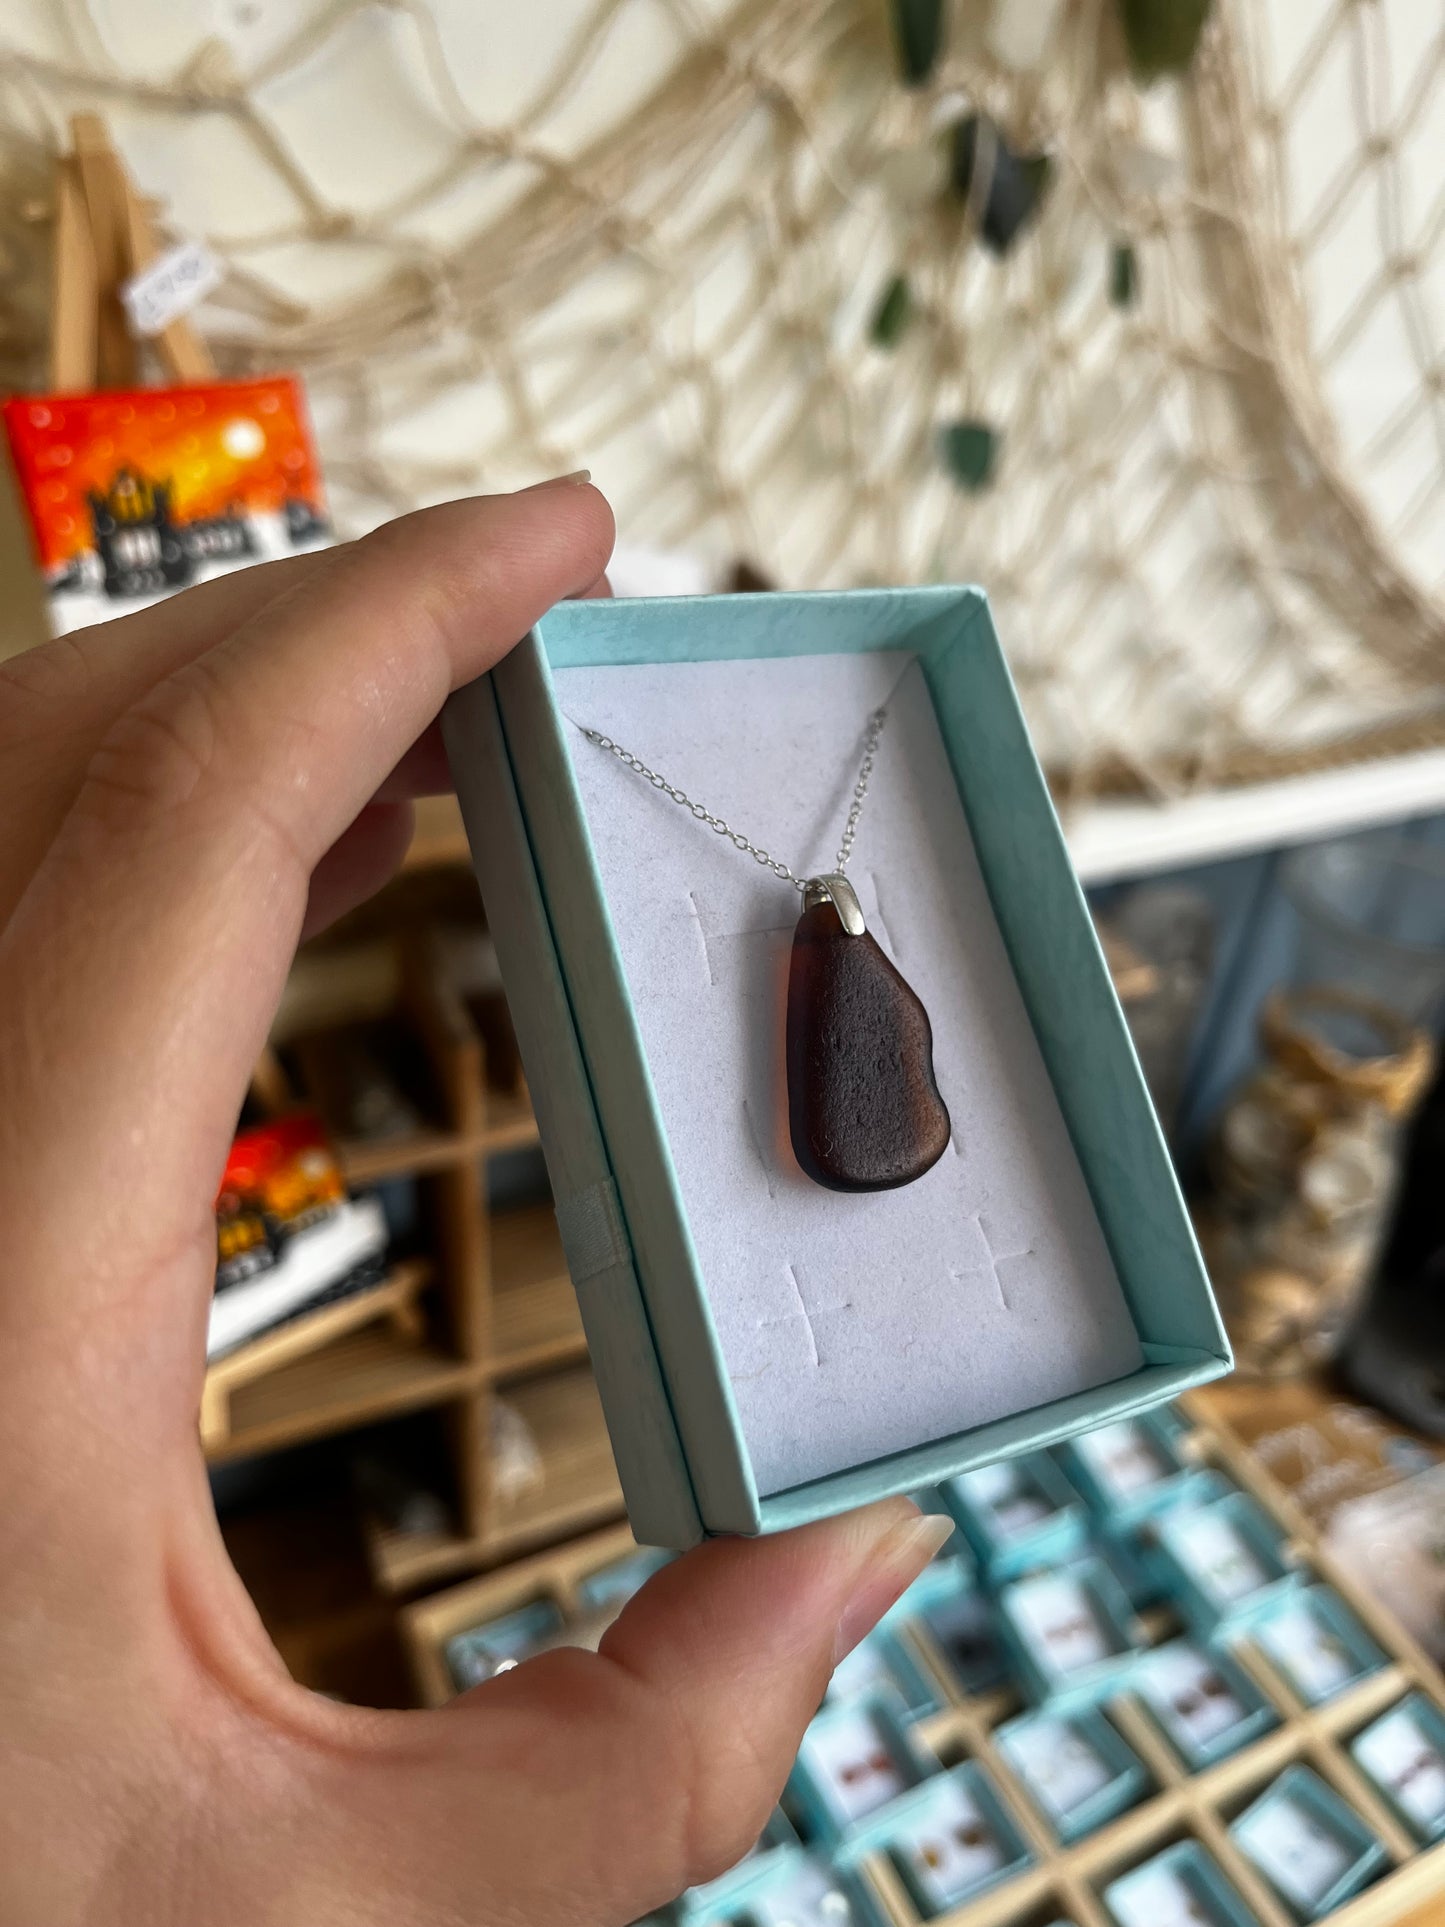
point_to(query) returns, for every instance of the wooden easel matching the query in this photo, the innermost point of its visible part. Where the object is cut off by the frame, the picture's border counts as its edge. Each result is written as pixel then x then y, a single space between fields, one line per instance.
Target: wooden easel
pixel 103 236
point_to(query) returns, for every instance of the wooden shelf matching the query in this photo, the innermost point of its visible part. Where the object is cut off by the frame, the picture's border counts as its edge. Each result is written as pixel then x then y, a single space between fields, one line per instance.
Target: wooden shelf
pixel 438 838
pixel 509 1126
pixel 580 1485
pixel 456 1063
pixel 1114 838
pixel 579 1489
pixel 366 1375
pixel 535 1323
pixel 364 1161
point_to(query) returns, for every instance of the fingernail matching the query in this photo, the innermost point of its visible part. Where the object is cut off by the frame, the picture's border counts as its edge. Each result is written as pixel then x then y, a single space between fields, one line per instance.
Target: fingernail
pixel 888 1571
pixel 575 480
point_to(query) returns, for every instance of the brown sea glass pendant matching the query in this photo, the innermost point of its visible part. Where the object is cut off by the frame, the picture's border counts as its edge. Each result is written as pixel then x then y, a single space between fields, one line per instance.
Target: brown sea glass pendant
pixel 863 1106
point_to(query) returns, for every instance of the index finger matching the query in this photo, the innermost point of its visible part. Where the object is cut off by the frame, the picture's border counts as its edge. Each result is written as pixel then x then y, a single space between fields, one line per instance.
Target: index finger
pixel 140 971
pixel 58 699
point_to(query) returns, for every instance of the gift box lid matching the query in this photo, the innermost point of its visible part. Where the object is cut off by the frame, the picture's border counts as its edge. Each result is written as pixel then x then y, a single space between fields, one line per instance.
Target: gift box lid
pixel 669 1402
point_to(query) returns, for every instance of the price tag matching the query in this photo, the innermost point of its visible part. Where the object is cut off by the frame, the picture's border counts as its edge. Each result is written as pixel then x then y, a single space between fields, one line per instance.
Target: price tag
pixel 170 287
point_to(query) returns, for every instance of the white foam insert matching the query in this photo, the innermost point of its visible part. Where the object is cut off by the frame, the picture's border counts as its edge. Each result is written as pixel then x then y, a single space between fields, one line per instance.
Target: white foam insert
pixel 1286 1842
pixel 1399 1754
pixel 1223 1560
pixel 1310 1652
pixel 1188 1694
pixel 1060 1618
pixel 852 1326
pixel 852 1763
pixel 1156 1896
pixel 951 1847
pixel 1124 1457
pixel 1059 1763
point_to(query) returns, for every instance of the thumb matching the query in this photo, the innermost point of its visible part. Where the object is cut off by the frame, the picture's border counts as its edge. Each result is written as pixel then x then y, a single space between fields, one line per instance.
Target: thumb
pixel 596 1786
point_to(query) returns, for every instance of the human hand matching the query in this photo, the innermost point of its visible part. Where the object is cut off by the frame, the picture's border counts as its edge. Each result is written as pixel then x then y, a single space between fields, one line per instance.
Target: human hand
pixel 183 794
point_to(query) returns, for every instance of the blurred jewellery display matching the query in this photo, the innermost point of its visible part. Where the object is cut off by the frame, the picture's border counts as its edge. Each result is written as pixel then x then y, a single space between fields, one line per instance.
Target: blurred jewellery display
pixel 864 1109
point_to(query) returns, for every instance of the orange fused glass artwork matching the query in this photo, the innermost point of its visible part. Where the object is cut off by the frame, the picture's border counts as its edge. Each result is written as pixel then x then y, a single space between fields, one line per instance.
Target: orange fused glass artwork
pixel 281 1178
pixel 134 494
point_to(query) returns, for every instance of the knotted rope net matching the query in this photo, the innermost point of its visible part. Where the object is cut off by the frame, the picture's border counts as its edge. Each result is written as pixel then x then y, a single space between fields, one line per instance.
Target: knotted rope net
pixel 652 237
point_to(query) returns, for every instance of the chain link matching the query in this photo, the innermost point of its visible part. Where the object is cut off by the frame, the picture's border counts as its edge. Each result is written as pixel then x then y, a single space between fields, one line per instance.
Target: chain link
pixel 736 837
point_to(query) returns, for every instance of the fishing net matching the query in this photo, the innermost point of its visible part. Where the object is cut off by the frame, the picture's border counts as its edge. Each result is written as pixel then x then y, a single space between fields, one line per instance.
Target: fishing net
pixel 1187 426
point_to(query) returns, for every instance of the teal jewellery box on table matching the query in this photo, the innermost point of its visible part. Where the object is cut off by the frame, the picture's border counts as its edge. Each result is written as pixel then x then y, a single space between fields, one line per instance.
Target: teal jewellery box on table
pixel 773 1341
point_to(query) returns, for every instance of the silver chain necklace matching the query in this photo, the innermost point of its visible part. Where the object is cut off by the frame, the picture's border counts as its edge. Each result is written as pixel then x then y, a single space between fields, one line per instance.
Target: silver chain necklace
pixel 736 837
pixel 864 1109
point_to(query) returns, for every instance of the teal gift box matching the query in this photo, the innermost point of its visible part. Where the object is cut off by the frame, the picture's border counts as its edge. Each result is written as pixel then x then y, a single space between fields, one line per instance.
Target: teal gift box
pixel 1226 1563
pixel 1311 1847
pixel 768 1352
pixel 1079 1769
pixel 857 1757
pixel 1131 1546
pixel 482 1651
pixel 1182 1887
pixel 1318 1644
pixel 1128 1470
pixel 958 1626
pixel 1206 1705
pixel 793 1889
pixel 950 1838
pixel 1018 1515
pixel 883 1662
pixel 1072 1634
pixel 1403 1752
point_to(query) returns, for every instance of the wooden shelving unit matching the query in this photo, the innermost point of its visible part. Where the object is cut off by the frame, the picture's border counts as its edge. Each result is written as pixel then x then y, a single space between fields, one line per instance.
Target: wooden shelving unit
pixel 510 1126
pixel 534 1308
pixel 488 1311
pixel 579 1485
pixel 578 1488
pixel 439 839
pixel 356 1380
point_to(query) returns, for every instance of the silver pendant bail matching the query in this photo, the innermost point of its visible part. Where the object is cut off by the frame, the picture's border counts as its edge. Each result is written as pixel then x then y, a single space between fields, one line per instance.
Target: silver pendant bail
pixel 835 888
